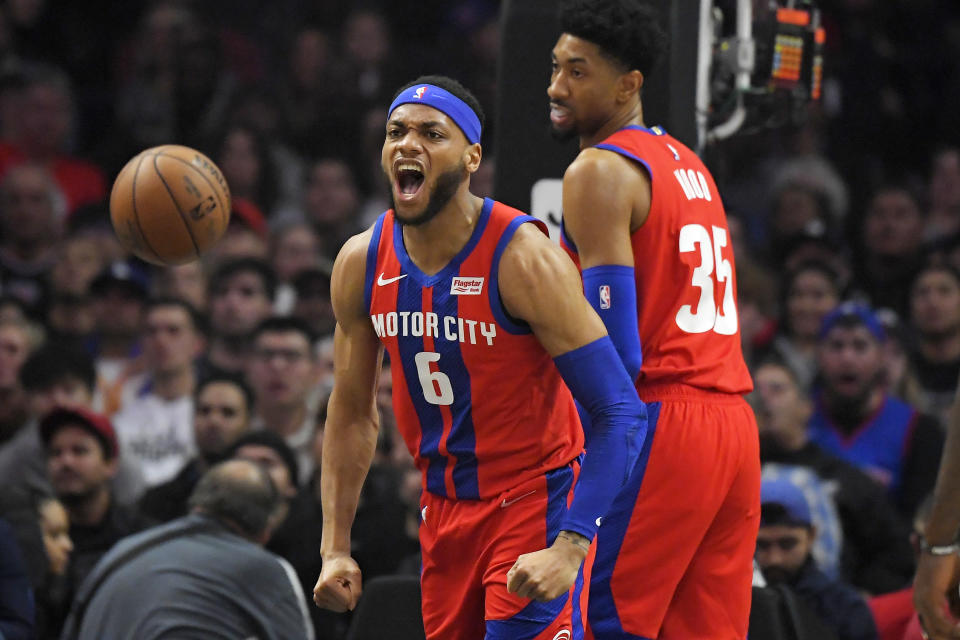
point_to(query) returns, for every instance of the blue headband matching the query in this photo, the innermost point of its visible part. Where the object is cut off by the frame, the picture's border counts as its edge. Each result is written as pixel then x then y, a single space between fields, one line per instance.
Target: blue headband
pixel 442 100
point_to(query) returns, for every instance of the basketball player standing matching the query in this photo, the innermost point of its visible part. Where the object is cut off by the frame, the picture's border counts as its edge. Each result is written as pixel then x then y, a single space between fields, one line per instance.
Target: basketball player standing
pixel 642 216
pixel 484 320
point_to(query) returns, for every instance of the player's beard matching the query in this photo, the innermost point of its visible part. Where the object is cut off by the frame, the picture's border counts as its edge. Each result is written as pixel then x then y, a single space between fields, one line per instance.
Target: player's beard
pixel 447 185
pixel 563 135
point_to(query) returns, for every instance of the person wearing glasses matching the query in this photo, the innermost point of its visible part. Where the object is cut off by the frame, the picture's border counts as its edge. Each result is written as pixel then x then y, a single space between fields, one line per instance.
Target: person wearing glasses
pixel 283 372
pixel 784 542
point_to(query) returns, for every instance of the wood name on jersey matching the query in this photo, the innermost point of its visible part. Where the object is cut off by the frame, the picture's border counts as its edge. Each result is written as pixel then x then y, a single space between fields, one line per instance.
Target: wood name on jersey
pixel 419 324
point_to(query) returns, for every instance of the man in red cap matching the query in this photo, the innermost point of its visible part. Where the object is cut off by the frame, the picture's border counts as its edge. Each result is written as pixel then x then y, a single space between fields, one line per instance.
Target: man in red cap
pixel 81 449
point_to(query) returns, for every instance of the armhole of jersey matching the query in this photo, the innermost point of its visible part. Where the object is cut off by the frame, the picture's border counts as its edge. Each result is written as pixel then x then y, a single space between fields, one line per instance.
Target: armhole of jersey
pixel 372 250
pixel 565 238
pixel 627 154
pixel 512 325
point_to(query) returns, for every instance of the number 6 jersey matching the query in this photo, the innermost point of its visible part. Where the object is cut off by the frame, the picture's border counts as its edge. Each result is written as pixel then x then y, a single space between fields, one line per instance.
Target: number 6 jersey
pixel 477 399
pixel 683 260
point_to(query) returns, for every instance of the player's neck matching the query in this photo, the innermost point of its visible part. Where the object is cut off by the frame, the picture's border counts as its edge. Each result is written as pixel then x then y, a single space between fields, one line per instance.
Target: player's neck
pixel 431 246
pixel 630 115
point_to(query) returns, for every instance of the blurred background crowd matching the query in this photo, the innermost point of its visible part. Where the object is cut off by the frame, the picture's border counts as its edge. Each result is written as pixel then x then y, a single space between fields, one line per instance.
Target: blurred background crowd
pixel 846 231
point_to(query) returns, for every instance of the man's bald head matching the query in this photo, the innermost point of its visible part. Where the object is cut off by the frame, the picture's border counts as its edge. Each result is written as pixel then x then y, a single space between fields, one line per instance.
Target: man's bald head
pixel 240 494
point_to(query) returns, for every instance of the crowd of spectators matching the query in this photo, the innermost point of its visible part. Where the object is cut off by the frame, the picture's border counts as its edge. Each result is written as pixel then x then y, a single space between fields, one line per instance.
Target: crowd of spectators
pixel 122 384
pixel 846 237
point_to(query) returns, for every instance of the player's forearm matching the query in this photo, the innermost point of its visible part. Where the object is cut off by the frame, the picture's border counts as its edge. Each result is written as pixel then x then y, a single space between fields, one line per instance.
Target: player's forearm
pixel 348 449
pixel 944 518
pixel 599 382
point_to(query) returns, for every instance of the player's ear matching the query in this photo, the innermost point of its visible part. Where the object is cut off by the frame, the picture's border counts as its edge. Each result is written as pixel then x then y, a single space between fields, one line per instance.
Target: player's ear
pixel 472 156
pixel 629 84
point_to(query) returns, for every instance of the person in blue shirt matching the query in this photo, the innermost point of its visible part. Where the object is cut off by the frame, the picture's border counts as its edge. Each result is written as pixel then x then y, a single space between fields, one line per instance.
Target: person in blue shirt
pixel 858 420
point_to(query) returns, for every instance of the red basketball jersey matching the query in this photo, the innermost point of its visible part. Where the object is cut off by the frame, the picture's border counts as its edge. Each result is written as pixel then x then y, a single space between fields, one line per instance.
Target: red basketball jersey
pixel 478 401
pixel 683 259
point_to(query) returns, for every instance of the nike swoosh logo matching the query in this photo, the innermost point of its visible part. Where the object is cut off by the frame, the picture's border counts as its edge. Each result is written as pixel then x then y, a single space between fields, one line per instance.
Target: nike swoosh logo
pixel 384 281
pixel 507 503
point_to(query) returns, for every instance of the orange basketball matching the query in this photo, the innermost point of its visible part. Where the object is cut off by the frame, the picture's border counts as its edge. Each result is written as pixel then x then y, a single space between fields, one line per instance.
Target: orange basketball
pixel 169 204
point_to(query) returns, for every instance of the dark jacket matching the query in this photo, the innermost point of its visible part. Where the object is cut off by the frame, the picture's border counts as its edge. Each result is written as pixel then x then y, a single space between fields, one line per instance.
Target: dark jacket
pixel 837 604
pixel 876 555
pixel 90 543
pixel 167 501
pixel 16 594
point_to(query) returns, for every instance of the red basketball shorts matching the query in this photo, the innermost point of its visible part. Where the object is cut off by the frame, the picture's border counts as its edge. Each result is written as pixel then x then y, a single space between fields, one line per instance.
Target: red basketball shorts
pixel 675 553
pixel 469 545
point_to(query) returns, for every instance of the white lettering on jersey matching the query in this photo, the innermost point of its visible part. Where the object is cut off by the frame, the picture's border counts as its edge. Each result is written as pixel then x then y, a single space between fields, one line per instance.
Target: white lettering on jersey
pixel 489 332
pixel 391 324
pixel 451 336
pixel 471 324
pixel 417 324
pixel 378 324
pixel 694 184
pixel 433 324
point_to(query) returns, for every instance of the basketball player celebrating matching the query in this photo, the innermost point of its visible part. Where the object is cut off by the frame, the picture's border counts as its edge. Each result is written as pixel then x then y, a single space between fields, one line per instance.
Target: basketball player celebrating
pixel 643 217
pixel 484 320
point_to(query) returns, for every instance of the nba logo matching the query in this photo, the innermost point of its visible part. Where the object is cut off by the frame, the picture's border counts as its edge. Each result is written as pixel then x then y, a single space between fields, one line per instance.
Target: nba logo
pixel 605 296
pixel 419 92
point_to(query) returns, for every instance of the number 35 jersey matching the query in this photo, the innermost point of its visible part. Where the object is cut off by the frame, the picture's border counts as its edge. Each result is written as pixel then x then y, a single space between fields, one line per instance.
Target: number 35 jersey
pixel 683 260
pixel 478 400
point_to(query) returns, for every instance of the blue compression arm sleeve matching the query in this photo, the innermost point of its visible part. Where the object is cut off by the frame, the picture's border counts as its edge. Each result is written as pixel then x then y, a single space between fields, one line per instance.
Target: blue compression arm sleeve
pixel 600 384
pixel 612 291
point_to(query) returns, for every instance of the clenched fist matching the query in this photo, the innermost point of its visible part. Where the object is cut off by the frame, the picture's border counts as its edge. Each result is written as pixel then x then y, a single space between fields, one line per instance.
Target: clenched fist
pixel 339 585
pixel 549 573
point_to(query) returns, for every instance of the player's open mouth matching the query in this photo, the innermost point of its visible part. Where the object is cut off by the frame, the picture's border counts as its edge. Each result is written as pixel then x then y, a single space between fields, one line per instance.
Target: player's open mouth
pixel 559 115
pixel 409 177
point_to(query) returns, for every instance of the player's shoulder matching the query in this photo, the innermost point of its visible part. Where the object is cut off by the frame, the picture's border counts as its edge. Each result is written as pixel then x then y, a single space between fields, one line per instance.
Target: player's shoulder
pixel 594 166
pixel 599 184
pixel 594 161
pixel 530 235
pixel 531 255
pixel 532 272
